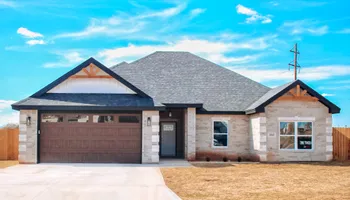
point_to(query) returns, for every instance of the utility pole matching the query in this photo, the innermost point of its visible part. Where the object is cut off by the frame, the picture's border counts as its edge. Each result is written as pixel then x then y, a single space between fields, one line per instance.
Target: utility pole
pixel 295 61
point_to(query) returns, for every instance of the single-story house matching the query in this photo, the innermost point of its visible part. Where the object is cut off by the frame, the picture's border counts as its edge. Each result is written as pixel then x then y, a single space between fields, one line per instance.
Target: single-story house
pixel 171 105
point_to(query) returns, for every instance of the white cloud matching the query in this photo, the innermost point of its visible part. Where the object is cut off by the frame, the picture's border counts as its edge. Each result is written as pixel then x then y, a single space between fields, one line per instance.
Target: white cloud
pixel 213 50
pixel 253 15
pixel 196 12
pixel 310 73
pixel 304 26
pixel 327 95
pixel 6 114
pixel 245 11
pixel 169 12
pixel 5 3
pixel 68 59
pixel 274 3
pixel 11 117
pixel 127 24
pixel 344 31
pixel 6 104
pixel 35 42
pixel 220 58
pixel 27 33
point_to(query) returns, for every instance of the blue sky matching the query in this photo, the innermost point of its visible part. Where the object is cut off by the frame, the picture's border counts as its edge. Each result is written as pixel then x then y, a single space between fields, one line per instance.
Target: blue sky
pixel 40 41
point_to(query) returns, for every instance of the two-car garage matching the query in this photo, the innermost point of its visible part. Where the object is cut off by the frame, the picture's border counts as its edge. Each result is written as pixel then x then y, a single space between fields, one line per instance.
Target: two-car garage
pixel 90 138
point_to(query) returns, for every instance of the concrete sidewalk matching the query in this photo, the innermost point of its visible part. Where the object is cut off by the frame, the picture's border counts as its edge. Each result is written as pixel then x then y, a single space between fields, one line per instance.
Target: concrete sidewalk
pixel 83 182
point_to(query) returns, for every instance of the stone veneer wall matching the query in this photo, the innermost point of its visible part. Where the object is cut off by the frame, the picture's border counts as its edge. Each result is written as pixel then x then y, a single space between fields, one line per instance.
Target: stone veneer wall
pixel 257 136
pixel 322 130
pixel 190 133
pixel 28 135
pixel 238 138
pixel 150 137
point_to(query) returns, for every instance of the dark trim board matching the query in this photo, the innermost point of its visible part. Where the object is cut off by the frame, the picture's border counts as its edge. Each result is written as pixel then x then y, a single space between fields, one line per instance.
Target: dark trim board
pixel 38 137
pixel 205 112
pixel 91 111
pixel 82 108
pixel 183 105
pixel 80 67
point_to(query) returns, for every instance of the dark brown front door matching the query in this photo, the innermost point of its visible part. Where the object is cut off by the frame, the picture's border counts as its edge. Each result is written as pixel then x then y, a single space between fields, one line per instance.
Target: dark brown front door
pixel 92 138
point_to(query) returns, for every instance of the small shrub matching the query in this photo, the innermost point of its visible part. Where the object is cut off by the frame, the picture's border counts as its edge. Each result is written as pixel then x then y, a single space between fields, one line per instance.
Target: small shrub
pixel 207 159
pixel 224 159
pixel 239 159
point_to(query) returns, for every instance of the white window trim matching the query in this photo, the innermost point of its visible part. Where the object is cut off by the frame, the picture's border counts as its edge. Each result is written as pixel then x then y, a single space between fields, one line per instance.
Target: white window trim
pixel 296 135
pixel 212 132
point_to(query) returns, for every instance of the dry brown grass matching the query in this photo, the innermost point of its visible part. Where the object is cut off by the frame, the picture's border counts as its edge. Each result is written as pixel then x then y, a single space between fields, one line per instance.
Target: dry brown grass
pixel 260 181
pixel 7 163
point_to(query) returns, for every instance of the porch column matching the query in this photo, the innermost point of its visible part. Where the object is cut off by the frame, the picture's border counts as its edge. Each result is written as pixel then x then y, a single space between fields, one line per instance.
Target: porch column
pixel 150 137
pixel 190 133
pixel 28 133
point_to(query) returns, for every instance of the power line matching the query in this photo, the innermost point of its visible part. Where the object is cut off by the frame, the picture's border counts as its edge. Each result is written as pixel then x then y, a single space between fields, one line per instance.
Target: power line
pixel 294 63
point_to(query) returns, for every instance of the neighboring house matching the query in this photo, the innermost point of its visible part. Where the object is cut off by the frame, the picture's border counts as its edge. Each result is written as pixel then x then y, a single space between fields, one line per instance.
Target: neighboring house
pixel 171 105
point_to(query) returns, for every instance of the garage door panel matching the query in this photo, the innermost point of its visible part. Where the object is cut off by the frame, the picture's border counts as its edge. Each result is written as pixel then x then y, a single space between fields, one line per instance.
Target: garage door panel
pixel 110 142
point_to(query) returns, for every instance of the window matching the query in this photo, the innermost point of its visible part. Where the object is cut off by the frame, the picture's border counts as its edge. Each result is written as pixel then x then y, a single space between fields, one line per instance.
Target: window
pixel 220 135
pixel 52 118
pixel 103 118
pixel 296 135
pixel 78 118
pixel 128 119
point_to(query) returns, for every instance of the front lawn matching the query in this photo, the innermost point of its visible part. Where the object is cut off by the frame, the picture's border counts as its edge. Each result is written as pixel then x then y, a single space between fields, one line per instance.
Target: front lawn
pixel 7 163
pixel 260 181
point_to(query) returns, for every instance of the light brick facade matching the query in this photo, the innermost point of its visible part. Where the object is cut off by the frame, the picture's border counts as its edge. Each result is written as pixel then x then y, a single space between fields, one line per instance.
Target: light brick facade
pixel 28 135
pixel 190 133
pixel 150 137
pixel 252 137
pixel 322 130
pixel 257 136
pixel 238 137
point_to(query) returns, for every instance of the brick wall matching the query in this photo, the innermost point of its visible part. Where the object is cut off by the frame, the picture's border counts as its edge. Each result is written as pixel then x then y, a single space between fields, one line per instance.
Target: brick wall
pixel 190 133
pixel 150 137
pixel 238 137
pixel 322 130
pixel 27 147
pixel 257 136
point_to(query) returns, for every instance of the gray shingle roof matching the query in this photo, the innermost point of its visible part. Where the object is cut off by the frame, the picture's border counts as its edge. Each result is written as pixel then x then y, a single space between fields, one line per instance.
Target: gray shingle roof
pixel 87 100
pixel 267 96
pixel 181 77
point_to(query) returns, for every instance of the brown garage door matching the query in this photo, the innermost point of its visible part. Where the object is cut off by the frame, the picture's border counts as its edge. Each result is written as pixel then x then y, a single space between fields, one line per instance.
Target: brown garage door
pixel 92 138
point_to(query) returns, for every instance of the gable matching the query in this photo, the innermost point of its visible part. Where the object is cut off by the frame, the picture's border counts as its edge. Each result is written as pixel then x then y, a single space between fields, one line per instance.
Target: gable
pixel 91 79
pixel 297 94
pixel 294 91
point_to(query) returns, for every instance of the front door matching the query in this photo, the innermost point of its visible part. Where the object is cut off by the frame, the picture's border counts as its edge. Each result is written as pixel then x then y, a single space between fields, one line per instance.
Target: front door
pixel 168 139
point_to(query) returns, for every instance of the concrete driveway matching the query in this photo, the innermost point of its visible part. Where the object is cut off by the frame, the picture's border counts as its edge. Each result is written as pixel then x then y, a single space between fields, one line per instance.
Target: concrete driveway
pixel 83 181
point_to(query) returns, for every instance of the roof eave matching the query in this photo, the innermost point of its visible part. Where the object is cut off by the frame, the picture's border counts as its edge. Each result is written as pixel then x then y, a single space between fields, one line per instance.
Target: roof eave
pixel 97 108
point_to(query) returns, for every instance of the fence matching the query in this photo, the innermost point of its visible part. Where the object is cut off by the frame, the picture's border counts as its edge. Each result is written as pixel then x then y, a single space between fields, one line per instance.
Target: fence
pixel 9 144
pixel 341 144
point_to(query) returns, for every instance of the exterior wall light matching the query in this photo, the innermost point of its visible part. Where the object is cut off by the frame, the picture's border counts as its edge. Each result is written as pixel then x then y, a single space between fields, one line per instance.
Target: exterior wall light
pixel 149 121
pixel 170 114
pixel 28 121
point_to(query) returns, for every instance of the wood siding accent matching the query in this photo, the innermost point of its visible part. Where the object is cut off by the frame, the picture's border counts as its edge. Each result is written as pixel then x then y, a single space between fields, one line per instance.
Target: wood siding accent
pixel 341 144
pixel 9 144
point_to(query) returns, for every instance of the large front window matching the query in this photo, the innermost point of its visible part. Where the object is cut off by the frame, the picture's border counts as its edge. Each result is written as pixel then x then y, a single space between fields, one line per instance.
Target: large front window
pixel 220 135
pixel 296 135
